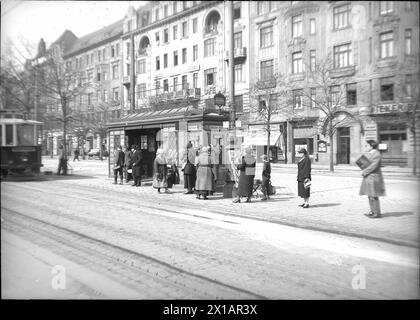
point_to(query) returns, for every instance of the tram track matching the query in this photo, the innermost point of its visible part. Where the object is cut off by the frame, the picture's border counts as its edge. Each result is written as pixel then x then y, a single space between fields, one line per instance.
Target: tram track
pixel 134 269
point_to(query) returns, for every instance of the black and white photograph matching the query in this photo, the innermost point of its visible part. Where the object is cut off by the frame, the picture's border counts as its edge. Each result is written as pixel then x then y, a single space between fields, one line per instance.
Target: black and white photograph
pixel 210 150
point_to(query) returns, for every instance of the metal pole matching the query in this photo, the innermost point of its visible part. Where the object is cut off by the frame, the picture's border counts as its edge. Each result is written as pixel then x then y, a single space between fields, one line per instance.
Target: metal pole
pixel 133 75
pixel 36 95
pixel 231 74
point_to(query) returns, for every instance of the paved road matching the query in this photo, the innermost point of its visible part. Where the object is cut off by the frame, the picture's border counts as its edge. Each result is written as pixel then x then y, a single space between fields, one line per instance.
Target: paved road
pixel 123 242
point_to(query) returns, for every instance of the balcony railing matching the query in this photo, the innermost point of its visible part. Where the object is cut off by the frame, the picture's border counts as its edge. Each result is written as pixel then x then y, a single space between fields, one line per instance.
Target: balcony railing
pixel 266 83
pixel 239 54
pixel 162 96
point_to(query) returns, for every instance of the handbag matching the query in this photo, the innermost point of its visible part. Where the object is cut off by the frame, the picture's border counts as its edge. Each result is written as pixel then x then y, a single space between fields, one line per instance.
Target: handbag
pixel 271 190
pixel 307 183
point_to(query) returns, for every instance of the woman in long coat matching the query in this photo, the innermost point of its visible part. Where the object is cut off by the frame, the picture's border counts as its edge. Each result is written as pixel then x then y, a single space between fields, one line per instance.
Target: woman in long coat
pixel 304 173
pixel 206 174
pixel 373 184
pixel 189 169
pixel 266 175
pixel 246 176
pixel 160 171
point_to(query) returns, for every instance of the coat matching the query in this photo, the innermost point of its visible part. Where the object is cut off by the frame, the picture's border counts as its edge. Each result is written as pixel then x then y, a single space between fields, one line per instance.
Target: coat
pixel 304 169
pixel 246 176
pixel 266 173
pixel 373 182
pixel 206 173
pixel 189 158
pixel 160 173
pixel 119 158
pixel 173 176
pixel 128 155
pixel 136 163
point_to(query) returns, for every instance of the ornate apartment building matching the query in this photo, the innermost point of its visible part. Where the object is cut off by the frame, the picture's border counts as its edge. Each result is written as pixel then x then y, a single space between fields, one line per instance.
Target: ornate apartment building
pixel 159 68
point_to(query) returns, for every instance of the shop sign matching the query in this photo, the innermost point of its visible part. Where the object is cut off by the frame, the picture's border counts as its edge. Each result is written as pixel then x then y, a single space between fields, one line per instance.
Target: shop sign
pixel 383 146
pixel 390 108
pixel 322 146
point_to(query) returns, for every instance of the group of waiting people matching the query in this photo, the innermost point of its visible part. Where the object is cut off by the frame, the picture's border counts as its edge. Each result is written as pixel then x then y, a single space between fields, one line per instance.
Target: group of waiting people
pixel 200 173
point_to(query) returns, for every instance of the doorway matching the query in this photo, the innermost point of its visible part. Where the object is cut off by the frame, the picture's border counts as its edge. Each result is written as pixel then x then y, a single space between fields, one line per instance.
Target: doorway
pixel 343 145
pixel 146 140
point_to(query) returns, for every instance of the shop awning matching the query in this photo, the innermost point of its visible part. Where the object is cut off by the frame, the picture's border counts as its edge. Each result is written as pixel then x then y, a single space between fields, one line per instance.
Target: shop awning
pixel 260 138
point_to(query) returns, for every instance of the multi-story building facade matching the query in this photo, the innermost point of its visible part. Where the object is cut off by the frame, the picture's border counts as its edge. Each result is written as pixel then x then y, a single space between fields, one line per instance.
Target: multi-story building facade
pixel 172 60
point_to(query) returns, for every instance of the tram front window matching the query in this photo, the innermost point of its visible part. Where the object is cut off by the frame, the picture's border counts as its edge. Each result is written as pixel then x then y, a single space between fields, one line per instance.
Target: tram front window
pixel 25 135
pixel 9 135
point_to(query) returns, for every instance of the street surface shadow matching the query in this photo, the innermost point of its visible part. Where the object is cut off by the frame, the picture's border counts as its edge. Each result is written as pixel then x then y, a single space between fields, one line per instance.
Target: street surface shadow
pixel 396 214
pixel 324 205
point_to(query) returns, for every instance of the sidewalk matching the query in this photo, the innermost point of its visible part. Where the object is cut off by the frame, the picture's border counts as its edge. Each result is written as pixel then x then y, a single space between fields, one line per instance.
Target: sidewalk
pixel 335 204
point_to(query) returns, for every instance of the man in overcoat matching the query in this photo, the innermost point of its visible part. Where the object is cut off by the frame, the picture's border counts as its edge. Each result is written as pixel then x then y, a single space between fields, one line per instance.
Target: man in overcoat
pixel 128 154
pixel 136 164
pixel 118 164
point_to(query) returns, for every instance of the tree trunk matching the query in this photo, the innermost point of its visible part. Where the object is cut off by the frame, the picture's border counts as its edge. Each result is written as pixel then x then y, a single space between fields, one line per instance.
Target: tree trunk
pixel 331 134
pixel 415 152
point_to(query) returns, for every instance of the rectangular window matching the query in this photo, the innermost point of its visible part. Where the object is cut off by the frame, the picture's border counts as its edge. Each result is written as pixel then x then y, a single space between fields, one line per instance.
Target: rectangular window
pixel 386 41
pixel 408 41
pixel 210 76
pixel 195 52
pixel 175 32
pixel 297 65
pixel 297 26
pixel 312 60
pixel 175 83
pixel 175 7
pixel 142 90
pixel 115 94
pixel 165 10
pixel 238 72
pixel 157 14
pixel 105 74
pixel 184 55
pixel 165 35
pixel 117 49
pixel 99 55
pixel 112 51
pixel 90 96
pixel 351 94
pixel 387 89
pixel 115 71
pixel 335 93
pixel 263 7
pixel 175 58
pixel 267 69
pixel 157 63
pixel 165 60
pixel 142 66
pixel 239 103
pixel 409 85
pixel 90 77
pixel 165 85
pixel 87 59
pixel 129 26
pixel 195 80
pixel 313 98
pixel 157 86
pixel 342 56
pixel 237 11
pixel 341 16
pixel 370 49
pixel 184 29
pixel 209 47
pixel 237 40
pixel 105 95
pixel 157 37
pixel 266 36
pixel 127 50
pixel 184 83
pixel 98 75
pixel 195 25
pixel 312 26
pixel 298 99
pixel 386 7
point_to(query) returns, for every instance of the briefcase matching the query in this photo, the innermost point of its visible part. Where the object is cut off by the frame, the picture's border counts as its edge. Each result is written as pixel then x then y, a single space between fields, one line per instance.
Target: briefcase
pixel 363 162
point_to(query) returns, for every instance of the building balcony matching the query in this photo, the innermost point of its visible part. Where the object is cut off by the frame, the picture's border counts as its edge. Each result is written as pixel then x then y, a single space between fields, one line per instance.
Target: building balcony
pixel 266 83
pixel 173 96
pixel 126 80
pixel 239 55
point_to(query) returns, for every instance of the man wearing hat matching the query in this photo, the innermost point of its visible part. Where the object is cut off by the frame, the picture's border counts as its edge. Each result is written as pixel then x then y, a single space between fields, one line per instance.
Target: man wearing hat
pixel 303 177
pixel 266 175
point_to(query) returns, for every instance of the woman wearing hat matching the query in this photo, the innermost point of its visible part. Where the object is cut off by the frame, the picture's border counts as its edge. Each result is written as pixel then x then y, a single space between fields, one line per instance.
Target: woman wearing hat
pixel 204 184
pixel 373 184
pixel 304 174
pixel 160 171
pixel 189 169
pixel 246 177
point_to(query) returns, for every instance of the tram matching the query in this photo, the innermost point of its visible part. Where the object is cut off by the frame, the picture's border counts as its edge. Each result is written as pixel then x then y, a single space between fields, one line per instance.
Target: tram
pixel 20 145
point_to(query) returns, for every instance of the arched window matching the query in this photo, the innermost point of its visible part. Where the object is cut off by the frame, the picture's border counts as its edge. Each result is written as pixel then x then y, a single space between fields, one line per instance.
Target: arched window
pixel 144 44
pixel 212 22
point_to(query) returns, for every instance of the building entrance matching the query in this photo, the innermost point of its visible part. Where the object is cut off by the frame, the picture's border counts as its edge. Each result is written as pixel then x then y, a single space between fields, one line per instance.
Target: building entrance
pixel 343 145
pixel 395 138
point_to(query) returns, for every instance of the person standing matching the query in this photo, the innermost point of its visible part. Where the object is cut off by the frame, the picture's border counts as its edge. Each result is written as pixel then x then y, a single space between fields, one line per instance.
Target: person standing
pixel 118 164
pixel 234 172
pixel 373 184
pixel 189 169
pixel 303 176
pixel 62 161
pixel 206 174
pixel 160 171
pixel 128 155
pixel 246 176
pixel 76 155
pixel 266 175
pixel 136 164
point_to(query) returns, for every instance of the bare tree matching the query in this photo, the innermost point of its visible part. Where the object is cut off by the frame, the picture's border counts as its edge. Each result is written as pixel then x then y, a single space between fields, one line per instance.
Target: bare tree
pixel 326 92
pixel 269 99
